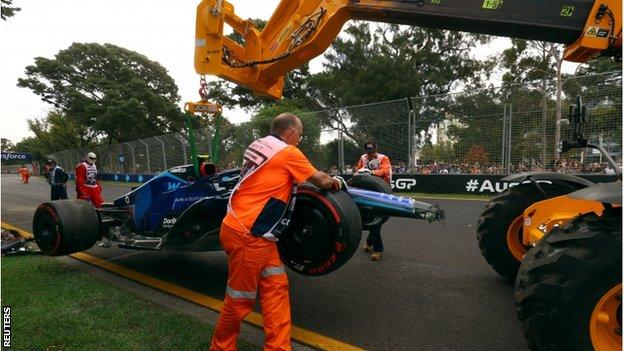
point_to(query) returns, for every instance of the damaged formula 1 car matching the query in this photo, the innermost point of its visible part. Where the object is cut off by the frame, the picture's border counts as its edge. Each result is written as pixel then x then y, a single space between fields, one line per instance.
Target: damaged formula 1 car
pixel 181 209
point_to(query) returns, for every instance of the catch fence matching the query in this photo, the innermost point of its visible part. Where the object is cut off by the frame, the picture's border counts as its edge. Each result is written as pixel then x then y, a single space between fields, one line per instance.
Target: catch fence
pixel 498 130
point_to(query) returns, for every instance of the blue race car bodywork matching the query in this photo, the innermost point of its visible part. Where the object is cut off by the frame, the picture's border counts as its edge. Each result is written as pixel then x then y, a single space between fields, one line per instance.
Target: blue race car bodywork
pixel 178 210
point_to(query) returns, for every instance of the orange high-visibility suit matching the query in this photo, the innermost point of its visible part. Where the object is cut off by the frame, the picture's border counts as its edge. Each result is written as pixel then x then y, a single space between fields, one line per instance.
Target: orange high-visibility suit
pixel 253 261
pixel 25 174
pixel 380 166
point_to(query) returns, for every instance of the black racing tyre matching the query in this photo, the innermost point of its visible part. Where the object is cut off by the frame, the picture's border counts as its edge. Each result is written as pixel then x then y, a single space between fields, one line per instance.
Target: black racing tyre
pixel 370 182
pixel 499 230
pixel 65 226
pixel 569 287
pixel 324 232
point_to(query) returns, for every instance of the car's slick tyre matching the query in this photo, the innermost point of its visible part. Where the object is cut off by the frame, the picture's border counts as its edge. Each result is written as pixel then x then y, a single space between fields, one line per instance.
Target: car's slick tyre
pixel 65 226
pixel 324 232
pixel 370 182
pixel 499 230
pixel 569 287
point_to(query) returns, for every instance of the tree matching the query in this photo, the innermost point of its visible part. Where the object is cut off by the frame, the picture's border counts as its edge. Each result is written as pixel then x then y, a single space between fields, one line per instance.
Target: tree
pixel 7 145
pixel 443 152
pixel 602 64
pixel 7 10
pixel 53 133
pixel 539 62
pixel 392 62
pixel 476 118
pixel 236 138
pixel 114 94
pixel 33 146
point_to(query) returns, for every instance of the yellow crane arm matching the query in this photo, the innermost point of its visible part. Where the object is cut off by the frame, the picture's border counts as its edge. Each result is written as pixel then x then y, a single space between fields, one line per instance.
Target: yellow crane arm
pixel 300 30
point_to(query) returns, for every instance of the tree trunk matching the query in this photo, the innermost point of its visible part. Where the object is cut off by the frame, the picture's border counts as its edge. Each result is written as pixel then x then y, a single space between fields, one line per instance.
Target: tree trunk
pixel 543 104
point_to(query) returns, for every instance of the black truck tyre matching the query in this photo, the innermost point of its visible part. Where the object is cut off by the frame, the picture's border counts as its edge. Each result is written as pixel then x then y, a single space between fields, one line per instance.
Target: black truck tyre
pixel 65 226
pixel 324 232
pixel 569 288
pixel 499 230
pixel 370 182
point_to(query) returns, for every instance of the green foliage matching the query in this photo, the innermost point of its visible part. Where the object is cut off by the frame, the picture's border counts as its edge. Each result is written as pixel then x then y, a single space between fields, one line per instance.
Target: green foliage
pixel 236 138
pixel 6 10
pixel 476 119
pixel 54 132
pixel 328 154
pixel 443 152
pixel 599 65
pixel 531 85
pixel 528 61
pixel 108 92
pixel 7 145
pixel 395 62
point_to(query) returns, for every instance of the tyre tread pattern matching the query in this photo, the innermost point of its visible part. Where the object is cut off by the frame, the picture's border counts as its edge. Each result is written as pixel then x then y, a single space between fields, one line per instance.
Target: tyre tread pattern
pixel 559 276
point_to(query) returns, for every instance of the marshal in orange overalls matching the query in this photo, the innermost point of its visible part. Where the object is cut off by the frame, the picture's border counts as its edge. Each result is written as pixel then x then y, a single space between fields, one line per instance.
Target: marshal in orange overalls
pixel 25 174
pixel 254 265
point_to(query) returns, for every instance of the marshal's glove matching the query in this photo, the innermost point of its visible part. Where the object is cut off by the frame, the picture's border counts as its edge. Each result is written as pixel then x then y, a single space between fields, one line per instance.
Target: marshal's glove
pixel 339 183
pixel 364 170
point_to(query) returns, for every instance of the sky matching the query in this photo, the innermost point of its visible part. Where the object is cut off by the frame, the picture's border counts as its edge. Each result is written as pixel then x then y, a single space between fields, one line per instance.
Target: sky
pixel 164 31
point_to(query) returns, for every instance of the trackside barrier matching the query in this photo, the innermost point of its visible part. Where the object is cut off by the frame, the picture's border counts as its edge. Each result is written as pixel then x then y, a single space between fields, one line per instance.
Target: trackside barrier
pixel 412 183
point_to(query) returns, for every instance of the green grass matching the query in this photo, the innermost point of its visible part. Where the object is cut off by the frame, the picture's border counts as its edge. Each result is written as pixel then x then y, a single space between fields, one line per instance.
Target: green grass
pixel 446 196
pixel 58 307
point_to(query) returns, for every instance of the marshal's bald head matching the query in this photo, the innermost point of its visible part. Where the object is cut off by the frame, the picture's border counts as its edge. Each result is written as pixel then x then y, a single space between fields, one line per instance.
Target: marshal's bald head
pixel 284 122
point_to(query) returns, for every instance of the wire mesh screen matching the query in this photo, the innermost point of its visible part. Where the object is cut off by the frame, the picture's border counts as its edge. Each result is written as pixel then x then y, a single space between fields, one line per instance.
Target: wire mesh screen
pixel 517 128
pixel 500 130
pixel 347 129
pixel 602 96
pixel 144 156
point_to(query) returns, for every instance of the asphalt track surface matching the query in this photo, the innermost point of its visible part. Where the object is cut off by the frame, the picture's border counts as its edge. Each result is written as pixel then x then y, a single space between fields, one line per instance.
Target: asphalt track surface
pixel 431 291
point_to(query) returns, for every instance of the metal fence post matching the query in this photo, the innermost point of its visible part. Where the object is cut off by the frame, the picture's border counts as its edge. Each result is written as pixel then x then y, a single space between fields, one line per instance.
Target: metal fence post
pixel 110 159
pixel 510 124
pixel 133 161
pixel 183 148
pixel 146 155
pixel 409 132
pixel 163 151
pixel 503 139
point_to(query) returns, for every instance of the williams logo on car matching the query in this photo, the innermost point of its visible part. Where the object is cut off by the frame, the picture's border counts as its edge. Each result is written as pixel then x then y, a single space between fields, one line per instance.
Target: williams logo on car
pixel 178 170
pixel 173 186
pixel 169 222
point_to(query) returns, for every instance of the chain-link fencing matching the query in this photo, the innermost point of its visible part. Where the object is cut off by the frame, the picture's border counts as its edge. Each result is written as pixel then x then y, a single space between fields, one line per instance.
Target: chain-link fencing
pixel 499 130
pixel 518 128
pixel 143 156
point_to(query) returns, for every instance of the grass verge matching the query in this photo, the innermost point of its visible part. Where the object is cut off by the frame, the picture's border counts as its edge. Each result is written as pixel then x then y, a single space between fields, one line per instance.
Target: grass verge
pixel 58 307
